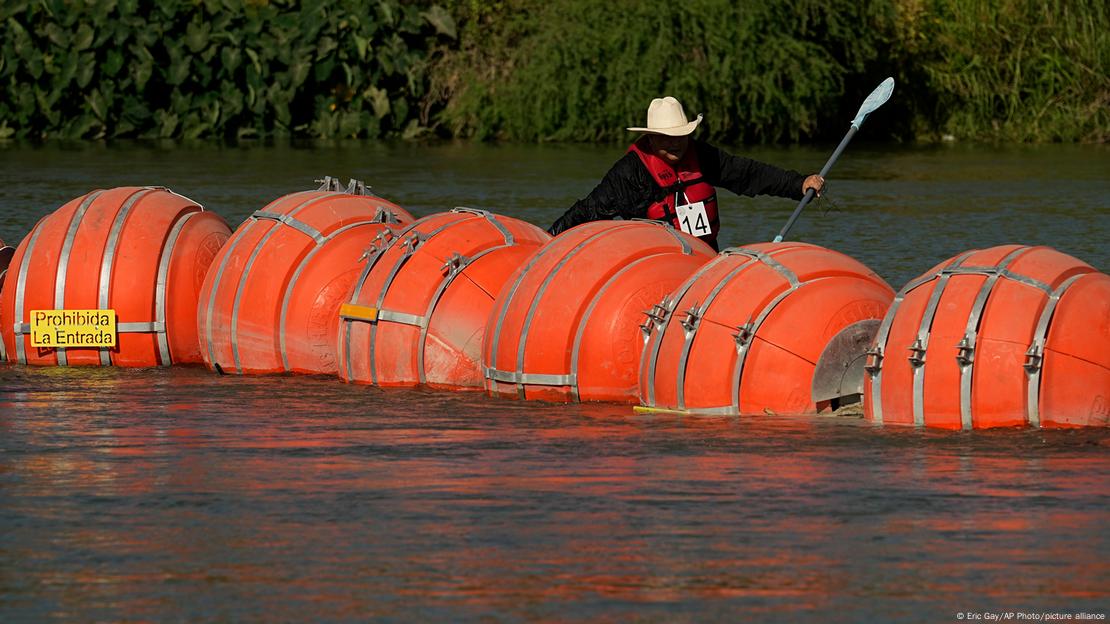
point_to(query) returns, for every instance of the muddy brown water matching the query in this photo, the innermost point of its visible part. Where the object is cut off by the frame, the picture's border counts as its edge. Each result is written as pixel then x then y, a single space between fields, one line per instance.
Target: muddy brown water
pixel 176 494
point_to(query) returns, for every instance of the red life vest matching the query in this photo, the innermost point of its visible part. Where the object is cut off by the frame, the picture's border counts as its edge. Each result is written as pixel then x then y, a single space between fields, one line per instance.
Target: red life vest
pixel 681 184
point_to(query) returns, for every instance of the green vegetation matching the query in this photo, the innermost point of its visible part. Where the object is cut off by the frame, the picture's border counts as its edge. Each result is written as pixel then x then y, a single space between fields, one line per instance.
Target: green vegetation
pixel 582 69
pixel 774 70
pixel 228 68
pixel 1013 71
pixel 532 70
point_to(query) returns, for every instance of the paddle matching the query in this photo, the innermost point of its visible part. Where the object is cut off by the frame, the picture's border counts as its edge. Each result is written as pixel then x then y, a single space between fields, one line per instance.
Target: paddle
pixel 877 98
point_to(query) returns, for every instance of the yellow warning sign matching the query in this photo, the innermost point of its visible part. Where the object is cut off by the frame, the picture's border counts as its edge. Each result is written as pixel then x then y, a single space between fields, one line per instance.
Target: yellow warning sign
pixel 58 329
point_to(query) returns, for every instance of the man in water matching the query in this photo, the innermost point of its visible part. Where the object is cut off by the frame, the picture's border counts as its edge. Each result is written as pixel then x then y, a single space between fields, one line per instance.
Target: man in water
pixel 668 176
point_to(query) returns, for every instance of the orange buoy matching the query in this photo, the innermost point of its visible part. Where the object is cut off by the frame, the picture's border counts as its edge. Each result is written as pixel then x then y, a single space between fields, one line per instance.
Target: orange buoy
pixel 1068 362
pixel 269 302
pixel 773 326
pixel 1006 336
pixel 140 251
pixel 566 326
pixel 418 311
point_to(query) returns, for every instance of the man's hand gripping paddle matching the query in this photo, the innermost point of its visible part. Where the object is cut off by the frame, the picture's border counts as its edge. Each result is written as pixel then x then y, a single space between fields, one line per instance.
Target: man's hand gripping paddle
pixel 877 98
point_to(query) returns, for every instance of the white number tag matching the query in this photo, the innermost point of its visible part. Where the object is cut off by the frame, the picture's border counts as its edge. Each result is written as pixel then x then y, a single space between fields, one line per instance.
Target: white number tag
pixel 693 219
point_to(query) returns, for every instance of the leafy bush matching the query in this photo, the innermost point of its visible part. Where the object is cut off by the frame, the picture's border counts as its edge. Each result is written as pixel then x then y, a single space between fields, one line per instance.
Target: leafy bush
pixel 181 68
pixel 779 70
pixel 1017 70
pixel 535 70
pixel 584 69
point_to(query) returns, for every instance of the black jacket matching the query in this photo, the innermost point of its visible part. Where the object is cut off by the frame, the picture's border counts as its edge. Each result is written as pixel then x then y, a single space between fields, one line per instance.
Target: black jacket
pixel 628 189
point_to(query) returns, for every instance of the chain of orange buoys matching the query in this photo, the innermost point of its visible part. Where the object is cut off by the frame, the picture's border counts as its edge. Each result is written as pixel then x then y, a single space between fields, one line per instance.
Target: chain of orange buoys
pixel 339 281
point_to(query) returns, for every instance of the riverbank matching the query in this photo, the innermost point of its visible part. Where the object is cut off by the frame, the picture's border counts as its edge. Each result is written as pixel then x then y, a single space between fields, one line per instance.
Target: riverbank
pixel 525 70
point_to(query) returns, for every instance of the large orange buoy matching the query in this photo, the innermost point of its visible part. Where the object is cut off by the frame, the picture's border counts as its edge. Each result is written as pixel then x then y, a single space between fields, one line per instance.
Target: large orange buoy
pixel 773 326
pixel 140 251
pixel 269 302
pixel 997 337
pixel 418 311
pixel 566 326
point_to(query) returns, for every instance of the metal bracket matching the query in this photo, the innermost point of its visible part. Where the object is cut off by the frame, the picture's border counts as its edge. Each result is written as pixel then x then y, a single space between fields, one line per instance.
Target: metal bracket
pixel 387 216
pixel 455 264
pixel 874 360
pixel 378 245
pixel 534 379
pixel 917 353
pixel 693 317
pixel 412 242
pixel 358 187
pixel 474 211
pixel 744 334
pixel 329 183
pixel 1034 357
pixel 965 353
pixel 353 187
pixel 656 317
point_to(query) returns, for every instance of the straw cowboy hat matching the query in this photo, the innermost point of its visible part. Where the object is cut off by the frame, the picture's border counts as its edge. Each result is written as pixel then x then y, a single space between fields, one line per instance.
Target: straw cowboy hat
pixel 665 116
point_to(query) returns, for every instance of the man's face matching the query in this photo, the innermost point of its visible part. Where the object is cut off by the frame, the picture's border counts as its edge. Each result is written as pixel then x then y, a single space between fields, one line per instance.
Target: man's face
pixel 670 148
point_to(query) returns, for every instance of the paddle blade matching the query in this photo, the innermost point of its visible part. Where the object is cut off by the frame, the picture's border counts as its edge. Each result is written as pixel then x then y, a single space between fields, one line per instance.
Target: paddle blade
pixel 877 98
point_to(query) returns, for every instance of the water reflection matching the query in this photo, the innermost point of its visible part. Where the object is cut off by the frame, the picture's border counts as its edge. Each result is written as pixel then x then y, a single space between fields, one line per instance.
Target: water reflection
pixel 179 494
pixel 124 493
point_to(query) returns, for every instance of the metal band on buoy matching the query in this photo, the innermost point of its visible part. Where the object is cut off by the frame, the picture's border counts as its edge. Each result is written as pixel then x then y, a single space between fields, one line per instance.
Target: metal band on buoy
pixel 288 294
pixel 692 320
pixel 453 267
pixel 377 247
pixel 965 355
pixel 109 260
pixel 165 357
pixel 530 316
pixel 744 349
pixel 20 287
pixel 247 270
pixel 227 250
pixel 63 262
pixel 656 325
pixel 516 377
pixel 572 383
pixel 410 240
pixel 875 356
pixel 296 224
pixel 581 329
pixel 1034 356
pixel 921 345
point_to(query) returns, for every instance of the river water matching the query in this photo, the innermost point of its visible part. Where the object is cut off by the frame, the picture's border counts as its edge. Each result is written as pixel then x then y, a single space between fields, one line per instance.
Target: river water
pixel 175 494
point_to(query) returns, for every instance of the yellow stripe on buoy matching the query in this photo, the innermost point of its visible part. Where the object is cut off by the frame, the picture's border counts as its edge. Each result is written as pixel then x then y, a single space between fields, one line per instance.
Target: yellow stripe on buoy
pixel 640 409
pixel 354 312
